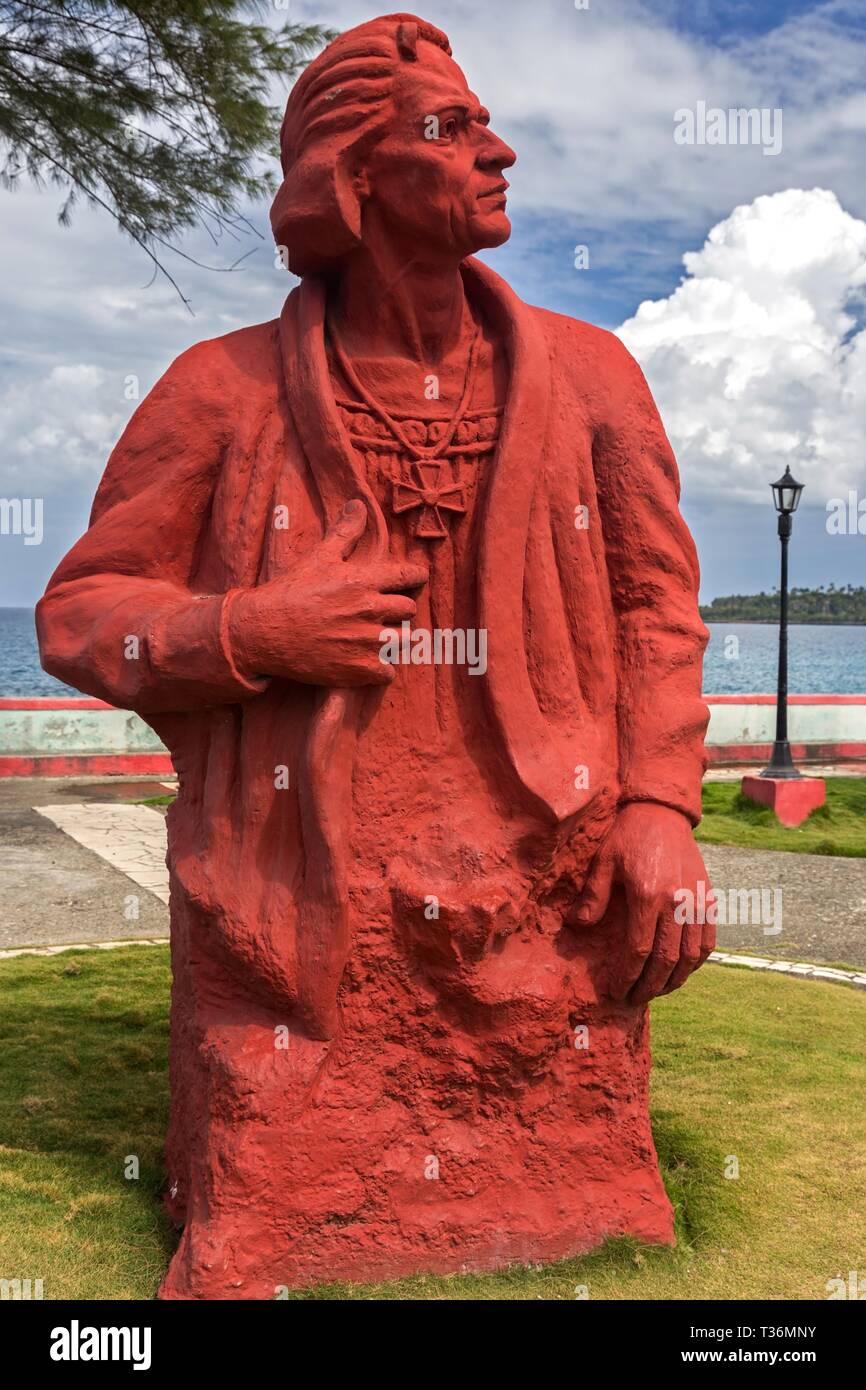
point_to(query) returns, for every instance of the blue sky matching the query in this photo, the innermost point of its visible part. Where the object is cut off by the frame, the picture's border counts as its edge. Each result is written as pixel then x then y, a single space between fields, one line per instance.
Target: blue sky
pixel 723 23
pixel 753 349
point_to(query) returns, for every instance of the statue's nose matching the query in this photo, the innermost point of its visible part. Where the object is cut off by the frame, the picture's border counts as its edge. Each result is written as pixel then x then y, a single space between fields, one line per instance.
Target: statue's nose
pixel 495 153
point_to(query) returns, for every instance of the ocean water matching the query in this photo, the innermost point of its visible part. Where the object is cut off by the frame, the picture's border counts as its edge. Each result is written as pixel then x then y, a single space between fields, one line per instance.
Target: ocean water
pixel 741 659
pixel 20 672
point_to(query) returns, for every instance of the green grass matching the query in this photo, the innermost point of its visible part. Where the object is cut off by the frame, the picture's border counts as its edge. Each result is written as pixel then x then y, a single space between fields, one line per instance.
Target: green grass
pixel 770 1070
pixel 83 1051
pixel 837 827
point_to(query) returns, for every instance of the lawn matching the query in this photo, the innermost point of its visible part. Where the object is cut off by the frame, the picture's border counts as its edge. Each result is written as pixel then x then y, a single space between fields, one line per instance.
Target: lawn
pixel 837 827
pixel 767 1070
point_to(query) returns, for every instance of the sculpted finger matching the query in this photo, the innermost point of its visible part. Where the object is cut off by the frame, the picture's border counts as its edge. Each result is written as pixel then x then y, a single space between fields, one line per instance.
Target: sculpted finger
pixel 356 655
pixel 596 892
pixel 342 537
pixel 368 673
pixel 662 962
pixel 393 608
pixel 392 576
pixel 690 956
pixel 380 673
pixel 642 917
pixel 708 933
pixel 369 667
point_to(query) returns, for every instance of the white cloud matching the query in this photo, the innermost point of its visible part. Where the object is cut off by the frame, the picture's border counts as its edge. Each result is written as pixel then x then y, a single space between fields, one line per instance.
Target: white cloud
pixel 758 358
pixel 587 99
pixel 59 428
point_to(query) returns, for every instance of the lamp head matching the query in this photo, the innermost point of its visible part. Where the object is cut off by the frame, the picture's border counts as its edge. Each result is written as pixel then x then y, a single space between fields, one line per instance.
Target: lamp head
pixel 786 493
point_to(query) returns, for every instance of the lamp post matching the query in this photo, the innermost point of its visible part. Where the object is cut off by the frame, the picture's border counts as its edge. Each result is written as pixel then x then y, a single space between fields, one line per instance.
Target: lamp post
pixel 786 496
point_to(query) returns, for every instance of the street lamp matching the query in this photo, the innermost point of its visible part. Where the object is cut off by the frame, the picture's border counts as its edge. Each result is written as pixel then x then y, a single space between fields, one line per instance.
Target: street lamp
pixel 786 495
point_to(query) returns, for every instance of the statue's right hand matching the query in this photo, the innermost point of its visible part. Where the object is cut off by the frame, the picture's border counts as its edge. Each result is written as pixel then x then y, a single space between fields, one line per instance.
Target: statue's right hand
pixel 322 623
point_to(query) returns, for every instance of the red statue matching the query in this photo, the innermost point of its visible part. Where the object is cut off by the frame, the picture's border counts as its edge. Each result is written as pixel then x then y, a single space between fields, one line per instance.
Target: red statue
pixel 401 581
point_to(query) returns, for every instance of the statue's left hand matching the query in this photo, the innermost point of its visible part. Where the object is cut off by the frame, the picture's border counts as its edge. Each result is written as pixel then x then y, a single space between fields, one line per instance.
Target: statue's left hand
pixel 652 853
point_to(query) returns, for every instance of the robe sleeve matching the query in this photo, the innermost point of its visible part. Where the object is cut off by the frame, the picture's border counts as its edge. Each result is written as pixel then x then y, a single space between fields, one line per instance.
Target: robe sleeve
pixel 121 618
pixel 654 576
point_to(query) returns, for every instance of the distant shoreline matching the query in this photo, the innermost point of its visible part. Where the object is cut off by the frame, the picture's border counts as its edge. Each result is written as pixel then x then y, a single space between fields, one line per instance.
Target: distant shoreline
pixel 792 622
pixel 707 617
pixel 817 607
pixel 703 610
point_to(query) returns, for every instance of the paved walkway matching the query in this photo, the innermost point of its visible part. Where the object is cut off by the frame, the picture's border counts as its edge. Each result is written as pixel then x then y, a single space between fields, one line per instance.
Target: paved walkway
pixel 82 862
pixel 55 889
pixel 130 838
pixel 855 768
pixel 823 903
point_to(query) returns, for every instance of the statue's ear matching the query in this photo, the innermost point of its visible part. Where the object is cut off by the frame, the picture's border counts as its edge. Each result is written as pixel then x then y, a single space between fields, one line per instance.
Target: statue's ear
pixel 316 214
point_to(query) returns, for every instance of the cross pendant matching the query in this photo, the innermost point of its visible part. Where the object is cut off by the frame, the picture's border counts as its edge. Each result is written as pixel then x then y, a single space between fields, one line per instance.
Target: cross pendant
pixel 430 495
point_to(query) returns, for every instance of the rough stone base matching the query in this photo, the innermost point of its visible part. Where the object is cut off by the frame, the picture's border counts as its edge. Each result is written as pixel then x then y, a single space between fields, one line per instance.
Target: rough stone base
pixel 420 1139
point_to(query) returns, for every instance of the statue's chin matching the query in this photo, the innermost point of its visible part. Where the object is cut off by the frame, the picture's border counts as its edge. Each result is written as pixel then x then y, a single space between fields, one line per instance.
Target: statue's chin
pixel 491 230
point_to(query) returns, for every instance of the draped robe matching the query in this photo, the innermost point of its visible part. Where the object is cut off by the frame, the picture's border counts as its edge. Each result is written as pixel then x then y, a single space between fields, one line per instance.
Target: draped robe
pixel 360 998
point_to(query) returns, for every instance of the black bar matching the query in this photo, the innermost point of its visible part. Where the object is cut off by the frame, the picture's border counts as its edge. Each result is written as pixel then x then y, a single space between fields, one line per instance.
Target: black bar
pixel 253 1344
pixel 781 763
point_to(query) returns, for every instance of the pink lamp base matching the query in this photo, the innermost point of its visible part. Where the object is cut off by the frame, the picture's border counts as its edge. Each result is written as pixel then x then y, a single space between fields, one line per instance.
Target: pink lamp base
pixel 792 800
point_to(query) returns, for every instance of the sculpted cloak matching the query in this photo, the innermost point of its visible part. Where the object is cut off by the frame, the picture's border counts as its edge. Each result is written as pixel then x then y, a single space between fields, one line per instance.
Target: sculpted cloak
pixel 380 1000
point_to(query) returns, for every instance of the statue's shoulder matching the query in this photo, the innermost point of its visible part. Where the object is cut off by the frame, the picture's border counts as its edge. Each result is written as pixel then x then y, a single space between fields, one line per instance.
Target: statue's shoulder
pixel 220 373
pixel 194 409
pixel 582 340
pixel 594 360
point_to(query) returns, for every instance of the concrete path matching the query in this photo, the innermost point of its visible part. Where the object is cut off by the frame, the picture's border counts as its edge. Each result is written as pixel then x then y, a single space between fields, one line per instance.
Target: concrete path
pixel 131 838
pixel 855 768
pixel 822 899
pixel 80 859
pixel 52 888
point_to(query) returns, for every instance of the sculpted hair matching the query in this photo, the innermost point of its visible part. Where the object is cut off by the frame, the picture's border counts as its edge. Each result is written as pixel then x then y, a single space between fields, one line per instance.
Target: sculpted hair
pixel 339 108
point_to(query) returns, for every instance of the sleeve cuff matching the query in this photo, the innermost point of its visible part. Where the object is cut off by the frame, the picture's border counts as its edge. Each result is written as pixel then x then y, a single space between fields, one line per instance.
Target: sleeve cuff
pixel 190 647
pixel 690 807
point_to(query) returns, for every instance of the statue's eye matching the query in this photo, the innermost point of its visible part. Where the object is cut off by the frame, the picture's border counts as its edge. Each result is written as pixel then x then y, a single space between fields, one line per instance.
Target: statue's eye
pixel 448 128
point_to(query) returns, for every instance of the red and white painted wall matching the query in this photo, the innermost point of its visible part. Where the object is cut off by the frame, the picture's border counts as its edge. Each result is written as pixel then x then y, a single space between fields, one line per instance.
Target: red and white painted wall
pixel 78 737
pixel 821 728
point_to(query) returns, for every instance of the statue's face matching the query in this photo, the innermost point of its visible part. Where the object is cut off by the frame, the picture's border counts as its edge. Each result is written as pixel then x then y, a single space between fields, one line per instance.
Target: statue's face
pixel 435 183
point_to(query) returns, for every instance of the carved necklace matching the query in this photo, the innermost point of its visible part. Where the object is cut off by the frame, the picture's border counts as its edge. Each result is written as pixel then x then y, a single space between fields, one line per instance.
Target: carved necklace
pixel 427 484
